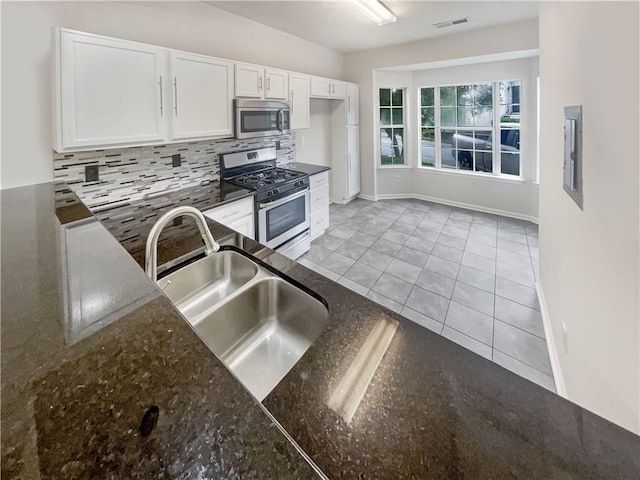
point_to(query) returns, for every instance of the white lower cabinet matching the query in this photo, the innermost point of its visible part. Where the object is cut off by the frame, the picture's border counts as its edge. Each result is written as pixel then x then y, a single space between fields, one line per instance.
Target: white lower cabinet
pixel 237 215
pixel 319 203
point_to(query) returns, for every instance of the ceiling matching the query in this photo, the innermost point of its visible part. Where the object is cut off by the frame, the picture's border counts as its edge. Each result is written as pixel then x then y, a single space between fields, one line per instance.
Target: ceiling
pixel 338 25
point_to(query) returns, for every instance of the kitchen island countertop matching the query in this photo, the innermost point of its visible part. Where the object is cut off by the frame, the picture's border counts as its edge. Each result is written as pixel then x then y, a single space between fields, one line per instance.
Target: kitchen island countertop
pixel 431 410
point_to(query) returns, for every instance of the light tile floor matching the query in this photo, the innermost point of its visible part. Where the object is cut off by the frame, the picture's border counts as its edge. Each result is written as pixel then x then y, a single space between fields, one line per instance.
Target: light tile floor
pixel 466 275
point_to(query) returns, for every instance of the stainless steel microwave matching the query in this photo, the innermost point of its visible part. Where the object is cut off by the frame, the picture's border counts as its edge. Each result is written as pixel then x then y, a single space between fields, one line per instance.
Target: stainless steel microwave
pixel 261 118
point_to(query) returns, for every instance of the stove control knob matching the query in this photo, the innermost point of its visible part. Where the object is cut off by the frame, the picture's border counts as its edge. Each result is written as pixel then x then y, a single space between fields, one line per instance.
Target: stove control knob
pixel 276 191
pixel 269 193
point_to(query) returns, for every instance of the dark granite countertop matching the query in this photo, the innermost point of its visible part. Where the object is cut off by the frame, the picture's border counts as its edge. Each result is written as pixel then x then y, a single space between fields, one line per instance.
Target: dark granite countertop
pixel 432 410
pixel 307 168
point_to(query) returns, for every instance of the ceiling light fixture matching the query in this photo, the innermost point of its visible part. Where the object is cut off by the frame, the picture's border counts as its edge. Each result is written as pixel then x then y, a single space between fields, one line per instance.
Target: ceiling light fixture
pixel 375 10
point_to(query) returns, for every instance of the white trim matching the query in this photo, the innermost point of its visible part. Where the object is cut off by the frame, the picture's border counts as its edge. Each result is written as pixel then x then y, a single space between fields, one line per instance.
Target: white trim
pixel 394 167
pixel 468 206
pixel 553 354
pixel 371 198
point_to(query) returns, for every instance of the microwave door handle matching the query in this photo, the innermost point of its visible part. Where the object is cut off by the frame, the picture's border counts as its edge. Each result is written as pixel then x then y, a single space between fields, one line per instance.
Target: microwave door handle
pixel 281 118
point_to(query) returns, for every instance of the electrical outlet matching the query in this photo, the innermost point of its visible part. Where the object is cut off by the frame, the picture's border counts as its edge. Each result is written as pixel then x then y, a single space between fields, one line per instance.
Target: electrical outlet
pixel 91 173
pixel 397 178
pixel 565 340
pixel 176 160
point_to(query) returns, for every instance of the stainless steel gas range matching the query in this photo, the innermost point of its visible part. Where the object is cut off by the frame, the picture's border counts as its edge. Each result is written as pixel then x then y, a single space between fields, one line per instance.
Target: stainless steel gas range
pixel 281 201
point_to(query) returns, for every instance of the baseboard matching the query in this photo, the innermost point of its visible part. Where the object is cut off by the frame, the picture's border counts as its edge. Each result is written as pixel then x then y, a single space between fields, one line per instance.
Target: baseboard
pixel 468 206
pixel 551 345
pixel 371 198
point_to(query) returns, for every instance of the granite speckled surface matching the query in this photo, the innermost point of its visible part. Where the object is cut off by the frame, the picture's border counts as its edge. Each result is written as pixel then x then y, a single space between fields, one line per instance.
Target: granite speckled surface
pixel 307 168
pixel 75 411
pixel 432 410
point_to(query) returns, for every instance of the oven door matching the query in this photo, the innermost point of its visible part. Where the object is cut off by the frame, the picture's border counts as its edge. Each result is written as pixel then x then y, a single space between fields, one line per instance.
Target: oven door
pixel 283 219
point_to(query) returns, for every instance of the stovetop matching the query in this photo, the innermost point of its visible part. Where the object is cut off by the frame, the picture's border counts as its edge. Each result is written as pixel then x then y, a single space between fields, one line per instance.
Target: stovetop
pixel 267 179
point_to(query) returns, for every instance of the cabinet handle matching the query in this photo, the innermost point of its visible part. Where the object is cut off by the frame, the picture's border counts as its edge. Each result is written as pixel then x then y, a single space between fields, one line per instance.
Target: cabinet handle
pixel 260 83
pixel 349 104
pixel 329 85
pixel 333 85
pixel 268 84
pixel 291 101
pixel 175 93
pixel 161 101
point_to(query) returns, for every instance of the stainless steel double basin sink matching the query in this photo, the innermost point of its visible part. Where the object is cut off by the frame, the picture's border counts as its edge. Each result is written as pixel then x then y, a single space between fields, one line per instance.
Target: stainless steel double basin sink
pixel 256 322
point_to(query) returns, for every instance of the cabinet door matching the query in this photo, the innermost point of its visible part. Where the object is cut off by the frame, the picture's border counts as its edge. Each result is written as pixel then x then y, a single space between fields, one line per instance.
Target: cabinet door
pixel 249 81
pixel 299 98
pixel 109 92
pixel 353 162
pixel 245 226
pixel 202 92
pixel 338 89
pixel 320 87
pixel 277 85
pixel 352 104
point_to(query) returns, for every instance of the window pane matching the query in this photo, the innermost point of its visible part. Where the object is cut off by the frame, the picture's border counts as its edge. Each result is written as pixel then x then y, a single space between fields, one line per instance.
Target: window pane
pixel 483 116
pixel 465 116
pixel 483 141
pixel 428 117
pixel 428 147
pixel 465 159
pixel 446 151
pixel 385 97
pixel 448 116
pixel 483 94
pixel 510 163
pixel 385 144
pixel 397 116
pixel 426 97
pixel 385 116
pixel 465 95
pixel 509 92
pixel 396 97
pixel 510 140
pixel 447 96
pixel 484 162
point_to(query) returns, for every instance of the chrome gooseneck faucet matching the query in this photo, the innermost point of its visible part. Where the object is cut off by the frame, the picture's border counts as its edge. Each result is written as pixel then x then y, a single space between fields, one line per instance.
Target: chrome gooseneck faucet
pixel 151 253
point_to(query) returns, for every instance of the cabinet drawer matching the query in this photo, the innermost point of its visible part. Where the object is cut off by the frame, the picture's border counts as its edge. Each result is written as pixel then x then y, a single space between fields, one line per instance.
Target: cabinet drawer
pixel 318 179
pixel 231 212
pixel 319 222
pixel 319 198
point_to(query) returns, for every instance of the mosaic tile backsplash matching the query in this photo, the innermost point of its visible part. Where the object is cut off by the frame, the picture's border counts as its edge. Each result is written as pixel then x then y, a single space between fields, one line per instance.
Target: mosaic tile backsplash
pixel 133 173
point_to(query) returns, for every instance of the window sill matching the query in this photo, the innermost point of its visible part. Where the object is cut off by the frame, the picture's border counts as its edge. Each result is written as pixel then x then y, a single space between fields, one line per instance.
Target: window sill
pixel 479 176
pixel 394 167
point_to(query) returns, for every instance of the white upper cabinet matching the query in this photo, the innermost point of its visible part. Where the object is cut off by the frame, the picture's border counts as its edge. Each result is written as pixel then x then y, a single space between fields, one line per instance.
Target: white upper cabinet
pixel 201 92
pixel 352 104
pixel 107 92
pixel 254 81
pixel 299 98
pixel 277 84
pixel 249 81
pixel 327 88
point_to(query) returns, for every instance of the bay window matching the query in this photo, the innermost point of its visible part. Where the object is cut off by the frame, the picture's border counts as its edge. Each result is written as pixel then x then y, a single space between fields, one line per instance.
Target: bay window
pixel 460 125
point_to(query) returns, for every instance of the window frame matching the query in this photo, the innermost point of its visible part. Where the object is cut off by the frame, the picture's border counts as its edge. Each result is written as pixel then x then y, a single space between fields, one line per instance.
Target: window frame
pixel 495 130
pixel 379 126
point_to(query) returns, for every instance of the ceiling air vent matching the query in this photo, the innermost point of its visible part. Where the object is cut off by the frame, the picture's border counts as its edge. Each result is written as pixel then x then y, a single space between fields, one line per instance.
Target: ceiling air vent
pixel 451 23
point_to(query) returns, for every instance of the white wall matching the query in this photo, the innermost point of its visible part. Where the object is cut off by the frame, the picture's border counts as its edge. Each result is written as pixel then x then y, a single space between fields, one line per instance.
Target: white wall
pixel 516 198
pixel 191 26
pixel 317 138
pixel 359 68
pixel 589 260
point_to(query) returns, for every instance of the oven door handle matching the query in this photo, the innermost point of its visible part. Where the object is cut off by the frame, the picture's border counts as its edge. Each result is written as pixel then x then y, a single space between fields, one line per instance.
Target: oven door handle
pixel 284 200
